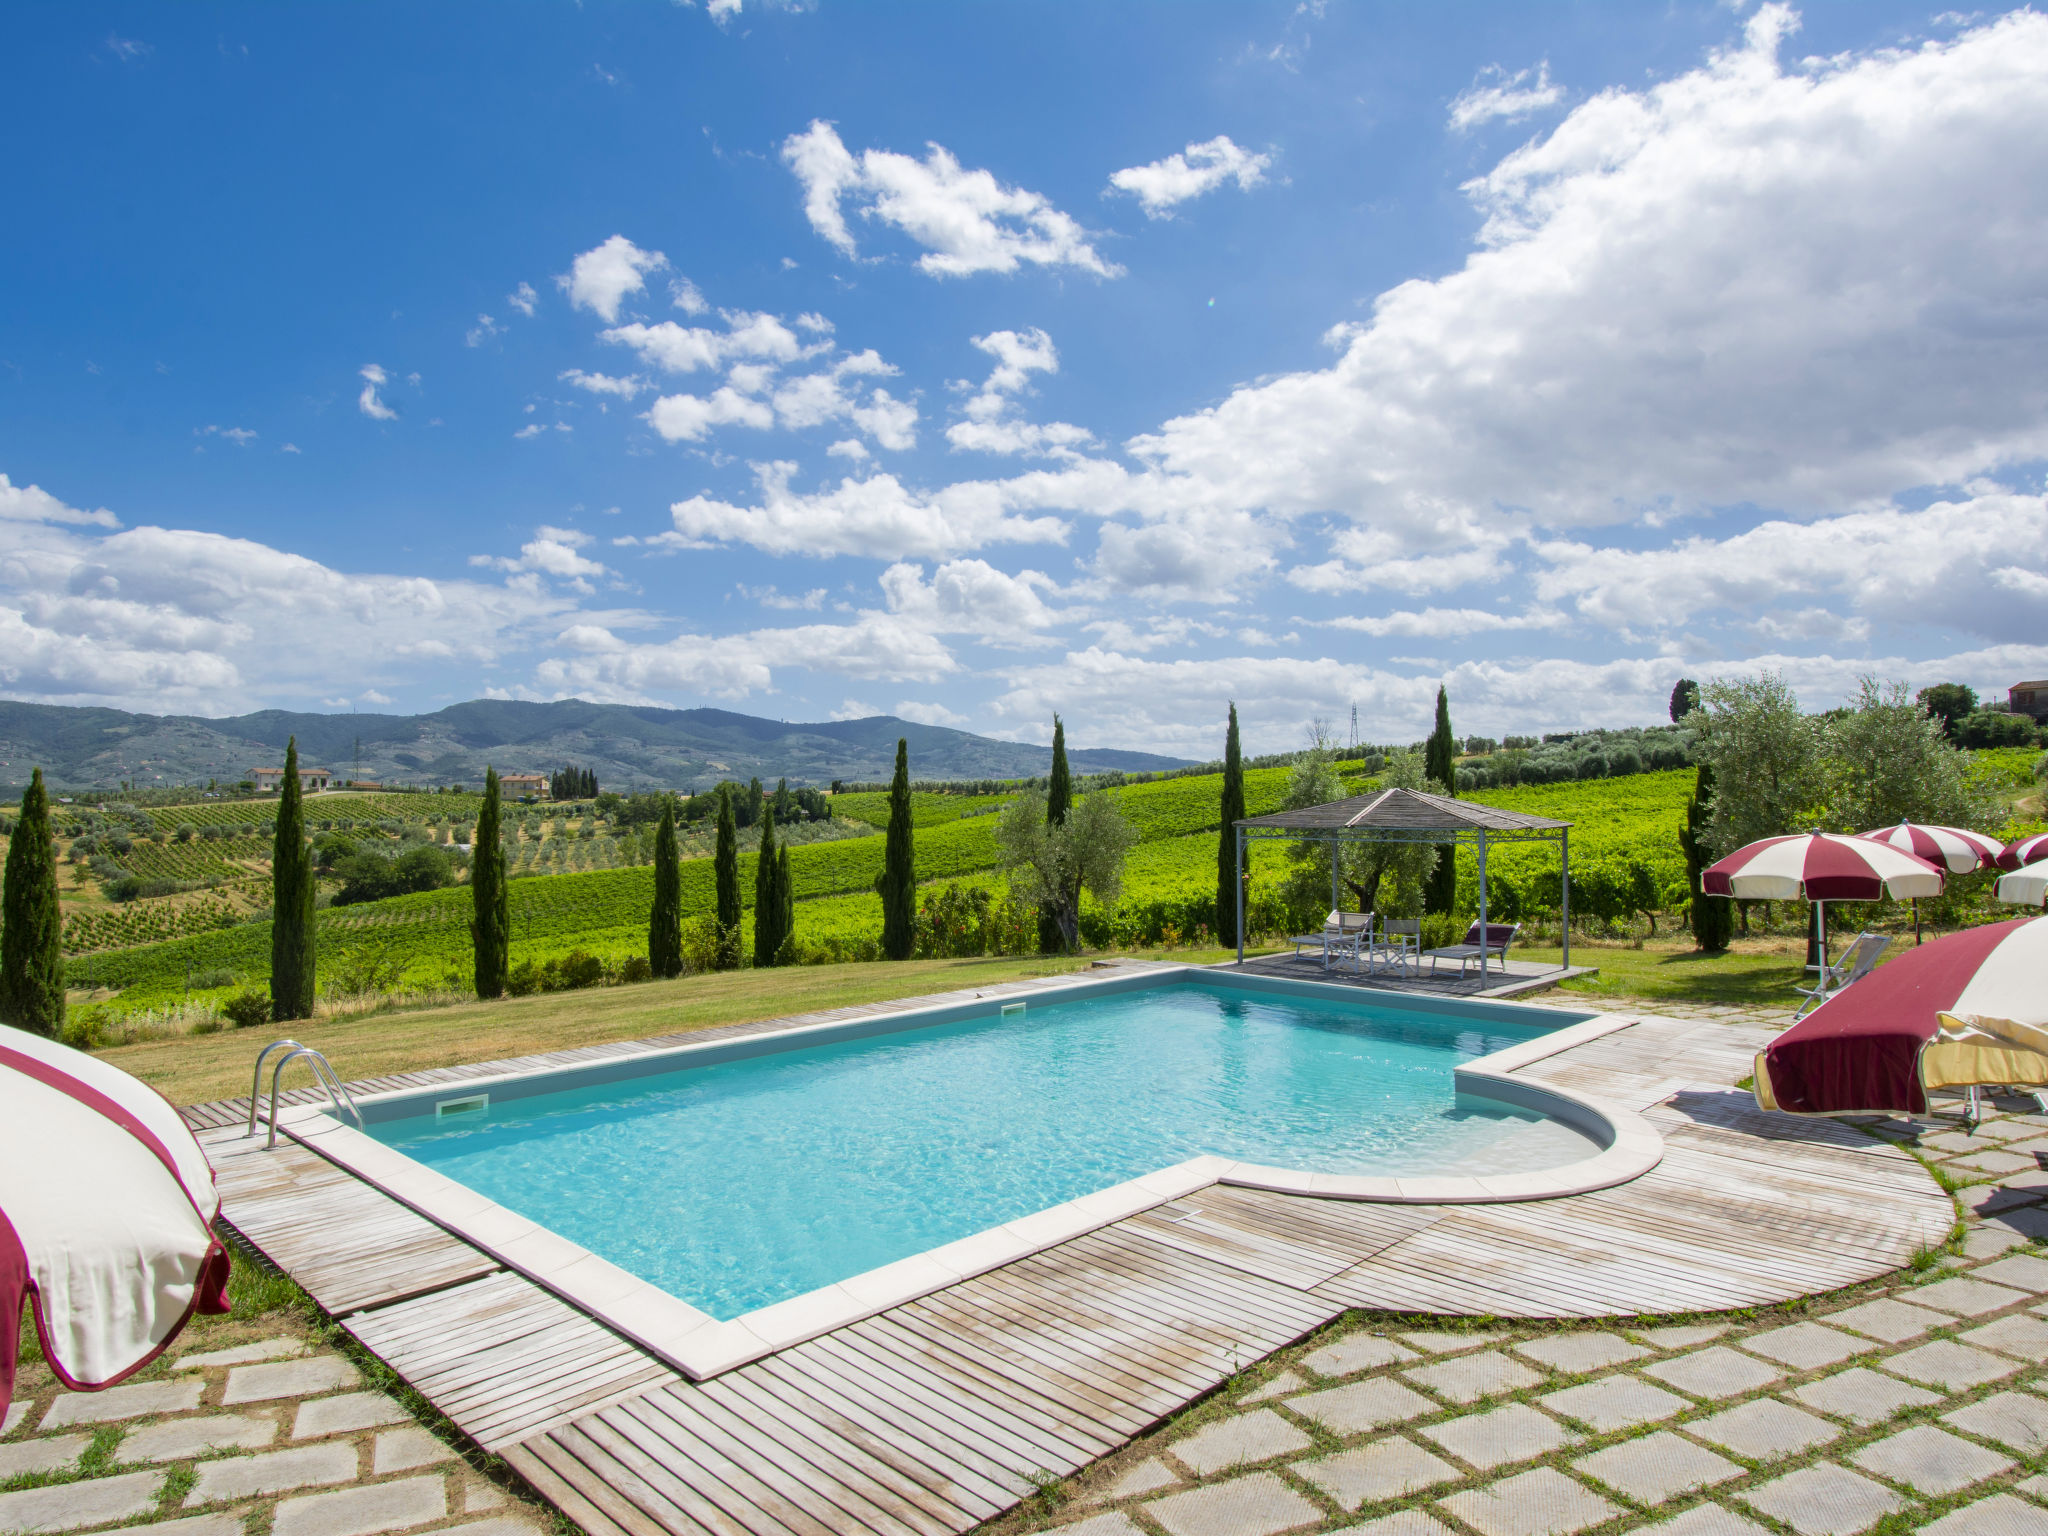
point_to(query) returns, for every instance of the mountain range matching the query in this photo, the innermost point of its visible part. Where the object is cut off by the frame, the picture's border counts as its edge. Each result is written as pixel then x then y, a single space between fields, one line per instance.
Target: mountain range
pixel 628 746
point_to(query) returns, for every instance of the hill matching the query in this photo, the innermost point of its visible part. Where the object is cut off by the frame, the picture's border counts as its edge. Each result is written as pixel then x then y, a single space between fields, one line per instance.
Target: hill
pixel 629 746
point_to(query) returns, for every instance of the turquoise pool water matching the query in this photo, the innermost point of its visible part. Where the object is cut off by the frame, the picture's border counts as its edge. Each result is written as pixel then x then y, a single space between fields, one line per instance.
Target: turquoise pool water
pixel 738 1184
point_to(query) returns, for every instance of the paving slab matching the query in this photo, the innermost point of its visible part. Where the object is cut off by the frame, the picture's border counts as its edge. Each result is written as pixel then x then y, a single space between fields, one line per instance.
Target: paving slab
pixel 70 1506
pixel 289 1378
pixel 1682 1335
pixel 1764 1429
pixel 1892 1321
pixel 1279 1386
pixel 51 1455
pixel 1863 1396
pixel 407 1447
pixel 1996 1161
pixel 1540 1502
pixel 346 1414
pixel 1148 1476
pixel 1706 1520
pixel 1615 1402
pixel 1967 1298
pixel 1999 1515
pixel 1469 1378
pixel 1982 1242
pixel 1931 1461
pixel 1513 1432
pixel 1356 1352
pixel 1824 1500
pixel 1402 1522
pixel 504 1525
pixel 1449 1341
pixel 2015 1420
pixel 1113 1523
pixel 1580 1353
pixel 2019 1335
pixel 240 1354
pixel 2030 1221
pixel 363 1511
pixel 1257 1505
pixel 2023 1271
pixel 182 1439
pixel 1235 1442
pixel 1654 1468
pixel 1806 1346
pixel 1989 1200
pixel 129 1402
pixel 1386 1469
pixel 1715 1372
pixel 1951 1366
pixel 220 1523
pixel 14 1414
pixel 302 1466
pixel 482 1495
pixel 1361 1406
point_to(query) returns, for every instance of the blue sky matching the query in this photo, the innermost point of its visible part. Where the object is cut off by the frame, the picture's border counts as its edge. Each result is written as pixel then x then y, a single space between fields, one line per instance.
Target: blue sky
pixel 974 362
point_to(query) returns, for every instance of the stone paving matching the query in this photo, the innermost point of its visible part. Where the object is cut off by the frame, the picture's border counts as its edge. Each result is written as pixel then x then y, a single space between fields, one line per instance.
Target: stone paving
pixel 247 1426
pixel 1917 1404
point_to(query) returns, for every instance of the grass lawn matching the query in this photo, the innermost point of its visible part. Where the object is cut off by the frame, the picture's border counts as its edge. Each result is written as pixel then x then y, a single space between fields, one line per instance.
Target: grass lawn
pixel 1755 974
pixel 192 1069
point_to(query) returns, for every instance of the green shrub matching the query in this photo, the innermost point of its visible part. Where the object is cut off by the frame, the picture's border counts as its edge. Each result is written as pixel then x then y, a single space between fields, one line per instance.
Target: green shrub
pixel 247 1008
pixel 636 969
pixel 523 980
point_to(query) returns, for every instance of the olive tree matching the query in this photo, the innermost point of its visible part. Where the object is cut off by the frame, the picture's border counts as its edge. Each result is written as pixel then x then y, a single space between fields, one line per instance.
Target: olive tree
pixel 1766 760
pixel 1050 863
pixel 1887 759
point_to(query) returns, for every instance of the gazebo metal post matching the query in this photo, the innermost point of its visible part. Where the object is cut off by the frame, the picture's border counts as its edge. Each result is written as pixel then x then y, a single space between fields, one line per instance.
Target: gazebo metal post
pixel 1240 895
pixel 1564 843
pixel 1482 909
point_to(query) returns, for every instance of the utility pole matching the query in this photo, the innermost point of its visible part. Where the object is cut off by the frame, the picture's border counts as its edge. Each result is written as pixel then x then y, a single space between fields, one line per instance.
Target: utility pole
pixel 1354 730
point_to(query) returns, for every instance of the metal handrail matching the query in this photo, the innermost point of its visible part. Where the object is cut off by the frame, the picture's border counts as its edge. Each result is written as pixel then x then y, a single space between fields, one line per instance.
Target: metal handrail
pixel 338 1095
pixel 256 1085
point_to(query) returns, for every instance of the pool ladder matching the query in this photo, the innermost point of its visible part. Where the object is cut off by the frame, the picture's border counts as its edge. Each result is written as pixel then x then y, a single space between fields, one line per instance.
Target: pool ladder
pixel 337 1094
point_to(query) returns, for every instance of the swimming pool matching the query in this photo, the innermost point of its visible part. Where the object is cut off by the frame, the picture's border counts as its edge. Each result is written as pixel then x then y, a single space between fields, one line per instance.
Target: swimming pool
pixel 742 1177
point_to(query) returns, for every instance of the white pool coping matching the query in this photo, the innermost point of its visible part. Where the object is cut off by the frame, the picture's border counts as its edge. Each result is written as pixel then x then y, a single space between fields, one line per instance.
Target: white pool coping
pixel 701 1346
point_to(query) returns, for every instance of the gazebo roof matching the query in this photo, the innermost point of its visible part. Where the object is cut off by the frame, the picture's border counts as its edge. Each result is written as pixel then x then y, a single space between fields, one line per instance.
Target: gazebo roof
pixel 1402 810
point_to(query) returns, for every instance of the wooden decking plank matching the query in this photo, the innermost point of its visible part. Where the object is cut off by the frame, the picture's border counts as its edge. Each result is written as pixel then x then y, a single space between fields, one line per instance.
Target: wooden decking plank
pixel 624 1478
pixel 571 1499
pixel 695 1459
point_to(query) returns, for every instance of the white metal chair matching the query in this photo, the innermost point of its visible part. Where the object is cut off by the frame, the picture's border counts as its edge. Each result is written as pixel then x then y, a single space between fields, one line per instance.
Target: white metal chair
pixel 1399 946
pixel 1854 964
pixel 1343 933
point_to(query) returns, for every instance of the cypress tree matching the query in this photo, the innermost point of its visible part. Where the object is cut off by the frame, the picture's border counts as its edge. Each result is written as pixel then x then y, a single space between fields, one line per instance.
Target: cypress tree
pixel 1059 798
pixel 490 927
pixel 786 889
pixel 1226 841
pixel 665 922
pixel 31 954
pixel 898 880
pixel 294 959
pixel 767 895
pixel 726 869
pixel 1440 762
pixel 1712 917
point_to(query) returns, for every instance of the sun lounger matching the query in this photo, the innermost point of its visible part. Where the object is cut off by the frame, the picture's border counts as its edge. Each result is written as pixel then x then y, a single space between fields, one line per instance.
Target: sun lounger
pixel 1855 963
pixel 1494 944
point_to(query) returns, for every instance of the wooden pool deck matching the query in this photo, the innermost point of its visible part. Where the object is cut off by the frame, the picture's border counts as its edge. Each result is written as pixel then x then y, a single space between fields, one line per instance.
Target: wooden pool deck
pixel 931 1417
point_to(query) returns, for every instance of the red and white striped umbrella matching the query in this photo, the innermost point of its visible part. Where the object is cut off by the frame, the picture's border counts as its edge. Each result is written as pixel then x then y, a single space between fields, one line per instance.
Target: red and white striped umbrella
pixel 106 1216
pixel 1956 849
pixel 2025 887
pixel 2028 850
pixel 1822 866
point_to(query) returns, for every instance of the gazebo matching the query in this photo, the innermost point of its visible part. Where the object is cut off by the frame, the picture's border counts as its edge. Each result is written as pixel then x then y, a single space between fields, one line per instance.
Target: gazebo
pixel 1408 816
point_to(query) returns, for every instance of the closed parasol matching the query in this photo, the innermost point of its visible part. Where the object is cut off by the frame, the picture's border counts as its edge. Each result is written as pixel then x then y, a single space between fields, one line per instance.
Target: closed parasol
pixel 106 1216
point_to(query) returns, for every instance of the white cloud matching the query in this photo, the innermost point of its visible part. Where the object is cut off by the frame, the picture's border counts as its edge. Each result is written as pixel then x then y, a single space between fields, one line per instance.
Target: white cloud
pixel 1498 94
pixel 594 662
pixel 685 349
pixel 1438 623
pixel 875 516
pixel 967 221
pixel 531 429
pixel 812 400
pixel 601 278
pixel 33 504
pixel 972 597
pixel 1165 184
pixel 771 597
pixel 484 330
pixel 603 383
pixel 1744 284
pixel 686 418
pixel 523 299
pixel 369 402
pixel 550 552
pixel 849 448
pixel 991 425
pixel 930 714
pixel 241 437
pixel 289 448
pixel 684 295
